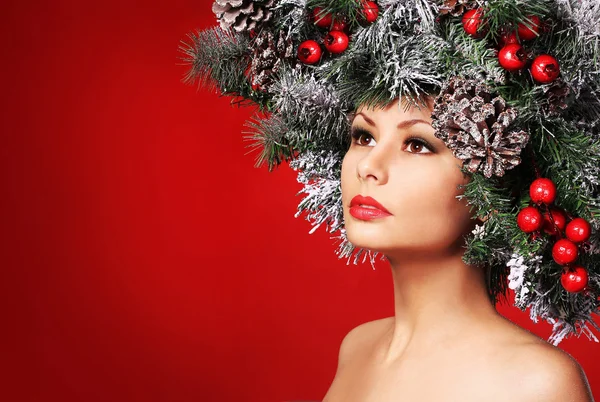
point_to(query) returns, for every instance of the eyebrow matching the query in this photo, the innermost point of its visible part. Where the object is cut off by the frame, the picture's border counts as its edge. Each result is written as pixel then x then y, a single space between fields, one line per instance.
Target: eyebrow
pixel 403 124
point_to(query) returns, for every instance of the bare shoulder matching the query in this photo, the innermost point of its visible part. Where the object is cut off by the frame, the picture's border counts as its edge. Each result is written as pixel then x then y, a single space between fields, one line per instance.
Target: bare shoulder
pixel 546 373
pixel 362 337
pixel 525 367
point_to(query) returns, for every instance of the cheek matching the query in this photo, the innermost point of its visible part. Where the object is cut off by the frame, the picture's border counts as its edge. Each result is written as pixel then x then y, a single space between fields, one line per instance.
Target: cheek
pixel 427 205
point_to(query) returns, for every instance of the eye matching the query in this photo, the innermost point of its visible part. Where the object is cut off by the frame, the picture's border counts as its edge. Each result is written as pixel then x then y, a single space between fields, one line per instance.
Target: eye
pixel 362 137
pixel 415 144
pixel 419 145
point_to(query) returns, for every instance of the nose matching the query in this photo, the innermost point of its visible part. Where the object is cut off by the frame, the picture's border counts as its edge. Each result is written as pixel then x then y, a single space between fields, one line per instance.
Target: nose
pixel 375 164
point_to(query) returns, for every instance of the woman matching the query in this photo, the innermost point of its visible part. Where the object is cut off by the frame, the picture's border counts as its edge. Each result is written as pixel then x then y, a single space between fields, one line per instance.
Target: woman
pixel 424 352
pixel 509 139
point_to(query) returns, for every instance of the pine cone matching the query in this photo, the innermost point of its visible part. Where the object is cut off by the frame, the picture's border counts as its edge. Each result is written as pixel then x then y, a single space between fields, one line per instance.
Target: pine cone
pixel 268 54
pixel 457 7
pixel 473 123
pixel 556 96
pixel 243 15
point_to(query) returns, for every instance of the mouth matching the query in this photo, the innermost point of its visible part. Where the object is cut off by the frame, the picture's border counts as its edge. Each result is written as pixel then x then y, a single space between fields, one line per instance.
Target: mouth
pixel 367 208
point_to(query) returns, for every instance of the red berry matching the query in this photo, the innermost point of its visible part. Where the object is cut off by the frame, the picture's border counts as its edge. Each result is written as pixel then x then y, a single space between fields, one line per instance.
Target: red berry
pixel 508 38
pixel 473 21
pixel 339 25
pixel 309 52
pixel 529 30
pixel 564 252
pixel 578 230
pixel 542 191
pixel 529 219
pixel 545 69
pixel 512 57
pixel 370 11
pixel 559 221
pixel 336 41
pixel 322 19
pixel 574 280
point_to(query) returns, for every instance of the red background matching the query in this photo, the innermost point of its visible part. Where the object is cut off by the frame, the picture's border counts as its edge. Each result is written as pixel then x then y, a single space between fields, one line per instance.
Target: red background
pixel 144 258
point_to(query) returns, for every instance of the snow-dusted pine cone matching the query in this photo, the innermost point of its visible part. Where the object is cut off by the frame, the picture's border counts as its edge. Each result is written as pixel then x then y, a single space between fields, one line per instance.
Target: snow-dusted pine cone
pixel 268 54
pixel 457 7
pixel 474 123
pixel 242 15
pixel 556 97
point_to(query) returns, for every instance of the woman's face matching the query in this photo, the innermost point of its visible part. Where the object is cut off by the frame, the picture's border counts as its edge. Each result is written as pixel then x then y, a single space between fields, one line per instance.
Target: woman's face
pixel 396 159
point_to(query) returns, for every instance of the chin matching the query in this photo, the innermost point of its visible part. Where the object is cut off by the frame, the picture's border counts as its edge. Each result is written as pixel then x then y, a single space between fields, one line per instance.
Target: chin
pixel 376 237
pixel 371 238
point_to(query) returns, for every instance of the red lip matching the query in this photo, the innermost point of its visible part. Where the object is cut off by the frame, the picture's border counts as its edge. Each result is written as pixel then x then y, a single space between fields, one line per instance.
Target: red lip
pixel 360 212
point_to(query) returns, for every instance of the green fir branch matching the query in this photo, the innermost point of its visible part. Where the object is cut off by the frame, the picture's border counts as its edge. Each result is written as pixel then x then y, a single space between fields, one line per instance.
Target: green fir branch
pixel 567 156
pixel 267 136
pixel 218 59
pixel 510 13
pixel 351 9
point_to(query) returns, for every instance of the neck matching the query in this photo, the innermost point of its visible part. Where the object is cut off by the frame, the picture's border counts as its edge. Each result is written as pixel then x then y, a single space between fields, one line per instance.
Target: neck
pixel 436 297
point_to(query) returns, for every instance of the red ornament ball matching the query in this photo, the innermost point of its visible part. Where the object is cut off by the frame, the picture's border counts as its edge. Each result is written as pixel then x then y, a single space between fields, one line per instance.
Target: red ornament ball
pixel 574 280
pixel 512 57
pixel 336 42
pixel 559 219
pixel 370 11
pixel 322 19
pixel 529 30
pixel 309 52
pixel 529 219
pixel 564 252
pixel 545 69
pixel 578 230
pixel 542 191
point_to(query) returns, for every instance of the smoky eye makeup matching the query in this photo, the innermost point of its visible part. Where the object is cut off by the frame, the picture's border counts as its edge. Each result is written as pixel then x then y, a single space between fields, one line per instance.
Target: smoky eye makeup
pixel 356 133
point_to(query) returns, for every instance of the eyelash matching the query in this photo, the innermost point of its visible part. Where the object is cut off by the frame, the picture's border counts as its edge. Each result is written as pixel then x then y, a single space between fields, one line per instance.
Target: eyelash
pixel 356 133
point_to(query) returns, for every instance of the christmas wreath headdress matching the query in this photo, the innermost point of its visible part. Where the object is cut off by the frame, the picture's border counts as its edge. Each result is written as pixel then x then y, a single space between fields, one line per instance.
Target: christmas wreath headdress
pixel 517 98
